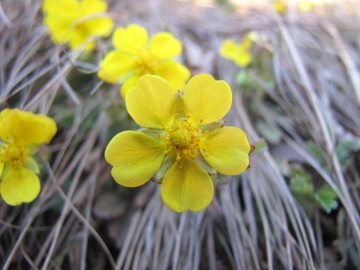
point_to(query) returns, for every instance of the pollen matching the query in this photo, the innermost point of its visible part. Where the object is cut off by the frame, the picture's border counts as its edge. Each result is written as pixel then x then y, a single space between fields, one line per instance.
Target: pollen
pixel 14 154
pixel 184 138
pixel 145 64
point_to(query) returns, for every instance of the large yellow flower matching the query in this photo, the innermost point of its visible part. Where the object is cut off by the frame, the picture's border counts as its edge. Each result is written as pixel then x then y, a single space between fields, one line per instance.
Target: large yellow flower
pixel 135 56
pixel 20 135
pixel 76 21
pixel 238 53
pixel 182 143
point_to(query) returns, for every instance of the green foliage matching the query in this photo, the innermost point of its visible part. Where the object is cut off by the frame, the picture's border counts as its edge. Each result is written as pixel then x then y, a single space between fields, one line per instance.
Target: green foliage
pixel 259 146
pixel 301 185
pixel 344 152
pixel 225 5
pixel 326 197
pixel 317 152
pixel 268 132
pixel 244 81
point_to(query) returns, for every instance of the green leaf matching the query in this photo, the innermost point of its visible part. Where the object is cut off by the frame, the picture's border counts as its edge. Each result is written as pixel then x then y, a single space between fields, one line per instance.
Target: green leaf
pixel 343 152
pixel 300 183
pixel 31 164
pixel 268 132
pixel 326 198
pixel 244 80
pixel 316 151
pixel 346 146
pixel 259 146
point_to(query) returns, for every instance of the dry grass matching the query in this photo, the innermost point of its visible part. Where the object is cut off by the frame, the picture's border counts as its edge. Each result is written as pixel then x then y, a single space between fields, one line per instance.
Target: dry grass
pixel 83 220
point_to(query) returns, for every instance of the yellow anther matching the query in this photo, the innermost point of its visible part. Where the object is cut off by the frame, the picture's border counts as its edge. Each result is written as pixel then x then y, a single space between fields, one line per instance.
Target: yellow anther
pixel 184 138
pixel 14 154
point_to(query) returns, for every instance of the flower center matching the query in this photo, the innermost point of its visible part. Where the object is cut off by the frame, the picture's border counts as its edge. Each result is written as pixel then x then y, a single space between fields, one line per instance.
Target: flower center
pixel 145 64
pixel 184 138
pixel 14 154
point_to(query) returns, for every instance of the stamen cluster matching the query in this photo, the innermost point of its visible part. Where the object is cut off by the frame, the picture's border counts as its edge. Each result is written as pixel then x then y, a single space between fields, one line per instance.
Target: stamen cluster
pixel 184 138
pixel 14 154
pixel 145 64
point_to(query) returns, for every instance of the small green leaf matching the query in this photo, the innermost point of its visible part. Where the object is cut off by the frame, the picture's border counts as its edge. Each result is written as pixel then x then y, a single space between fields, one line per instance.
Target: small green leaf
pixel 213 126
pixel 268 132
pixel 301 183
pixel 259 146
pixel 165 166
pixel 326 197
pixel 244 80
pixel 344 152
pixel 31 164
pixel 344 147
pixel 316 151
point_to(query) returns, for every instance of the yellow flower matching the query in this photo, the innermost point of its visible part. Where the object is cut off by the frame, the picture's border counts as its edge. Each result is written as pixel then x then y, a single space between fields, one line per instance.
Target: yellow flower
pixel 307 5
pixel 20 135
pixel 77 21
pixel 279 6
pixel 136 56
pixel 239 53
pixel 182 143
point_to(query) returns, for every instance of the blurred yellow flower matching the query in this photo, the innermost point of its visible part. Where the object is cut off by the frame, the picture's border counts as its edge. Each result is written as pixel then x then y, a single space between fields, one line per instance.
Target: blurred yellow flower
pixel 238 53
pixel 307 5
pixel 182 143
pixel 135 56
pixel 77 21
pixel 21 133
pixel 279 6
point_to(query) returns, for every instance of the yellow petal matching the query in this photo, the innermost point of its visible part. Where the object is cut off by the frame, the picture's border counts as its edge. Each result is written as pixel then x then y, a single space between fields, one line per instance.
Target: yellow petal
pixel 61 30
pixel 1 167
pixel 69 8
pixel 174 73
pixel 151 103
pixel 206 100
pixel 228 49
pixel 187 186
pixel 128 83
pixel 79 38
pixel 100 27
pixel 164 45
pixel 136 157
pixel 93 6
pixel 115 65
pixel 20 185
pixel 243 58
pixel 28 127
pixel 132 39
pixel 226 150
pixel 5 124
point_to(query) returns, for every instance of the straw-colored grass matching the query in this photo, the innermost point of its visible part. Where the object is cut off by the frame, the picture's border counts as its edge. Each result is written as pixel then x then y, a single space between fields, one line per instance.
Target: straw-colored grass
pixel 83 220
